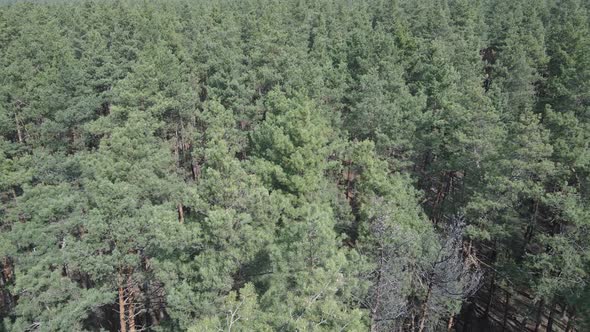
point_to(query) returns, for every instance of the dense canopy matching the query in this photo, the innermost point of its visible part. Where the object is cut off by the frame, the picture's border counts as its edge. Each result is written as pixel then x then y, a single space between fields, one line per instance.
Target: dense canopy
pixel 299 165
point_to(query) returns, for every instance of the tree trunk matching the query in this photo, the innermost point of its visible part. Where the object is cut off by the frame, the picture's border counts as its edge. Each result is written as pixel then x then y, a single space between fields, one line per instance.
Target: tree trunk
pixel 6 298
pixel 349 182
pixel 196 169
pixel 6 269
pixel 437 201
pixel 570 322
pixel 425 309
pixel 180 213
pixel 131 314
pixel 530 230
pixel 444 191
pixel 378 292
pixel 539 315
pixel 18 131
pixel 131 304
pixel 14 195
pixel 506 308
pixel 550 319
pixel 177 149
pixel 451 323
pixel 122 321
pixel 491 295
pixel 147 303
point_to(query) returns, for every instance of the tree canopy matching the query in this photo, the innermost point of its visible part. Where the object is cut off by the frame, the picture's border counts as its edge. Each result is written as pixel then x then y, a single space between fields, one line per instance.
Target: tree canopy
pixel 300 165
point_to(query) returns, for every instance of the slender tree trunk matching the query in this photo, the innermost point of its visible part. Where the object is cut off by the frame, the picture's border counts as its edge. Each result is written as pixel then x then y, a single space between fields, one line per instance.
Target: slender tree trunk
pixel 180 213
pixel 571 321
pixel 19 133
pixel 451 323
pixel 426 162
pixel 486 313
pixel 439 199
pixel 506 308
pixel 177 148
pixel 131 305
pixel 550 319
pixel 425 309
pixel 147 303
pixel 530 228
pixel 6 269
pixel 444 191
pixel 539 315
pixel 131 314
pixel 6 299
pixel 122 321
pixel 86 281
pixel 14 195
pixel 378 292
pixel 196 169
pixel 349 183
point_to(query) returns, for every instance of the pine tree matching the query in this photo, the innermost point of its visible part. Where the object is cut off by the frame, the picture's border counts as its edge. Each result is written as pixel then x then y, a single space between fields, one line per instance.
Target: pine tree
pixel 290 152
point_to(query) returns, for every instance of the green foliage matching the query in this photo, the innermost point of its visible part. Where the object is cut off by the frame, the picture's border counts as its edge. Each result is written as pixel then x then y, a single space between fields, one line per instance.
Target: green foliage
pixel 302 165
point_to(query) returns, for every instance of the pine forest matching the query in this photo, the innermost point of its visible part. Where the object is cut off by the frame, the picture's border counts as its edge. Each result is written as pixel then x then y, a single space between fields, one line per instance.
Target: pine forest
pixel 295 165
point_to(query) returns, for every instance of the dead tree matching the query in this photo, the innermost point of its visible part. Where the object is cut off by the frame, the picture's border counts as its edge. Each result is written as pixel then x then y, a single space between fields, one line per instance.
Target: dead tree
pixel 391 278
pixel 453 276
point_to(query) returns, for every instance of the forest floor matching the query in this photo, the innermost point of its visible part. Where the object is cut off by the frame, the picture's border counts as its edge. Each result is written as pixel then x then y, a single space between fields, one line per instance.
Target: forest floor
pixel 511 311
